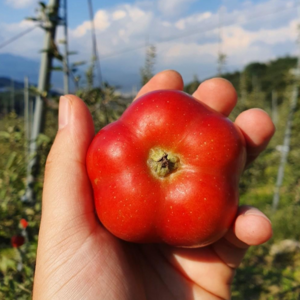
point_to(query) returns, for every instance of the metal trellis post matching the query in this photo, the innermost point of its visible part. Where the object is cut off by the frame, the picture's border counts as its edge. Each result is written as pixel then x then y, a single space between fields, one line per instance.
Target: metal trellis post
pixel 43 86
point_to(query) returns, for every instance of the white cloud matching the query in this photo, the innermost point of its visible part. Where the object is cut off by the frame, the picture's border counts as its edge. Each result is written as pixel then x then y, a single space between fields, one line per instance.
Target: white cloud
pixel 183 43
pixel 20 3
pixel 121 27
pixel 242 46
pixel 166 24
pixel 101 21
pixel 118 15
pixel 28 45
pixel 236 38
pixel 180 24
pixel 135 13
pixel 192 20
pixel 122 32
pixel 173 7
pixel 82 29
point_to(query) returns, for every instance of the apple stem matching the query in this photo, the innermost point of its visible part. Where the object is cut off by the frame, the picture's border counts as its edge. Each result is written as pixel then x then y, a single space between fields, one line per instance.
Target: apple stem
pixel 162 163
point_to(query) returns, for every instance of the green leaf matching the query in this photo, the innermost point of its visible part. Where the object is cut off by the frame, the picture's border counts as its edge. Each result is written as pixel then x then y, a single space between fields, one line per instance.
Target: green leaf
pixel 78 63
pixel 42 4
pixel 35 91
pixel 4 134
pixel 58 56
pixel 2 194
pixel 72 52
pixel 57 69
pixel 43 139
pixel 11 160
pixel 46 50
pixel 11 285
pixel 32 19
pixel 18 136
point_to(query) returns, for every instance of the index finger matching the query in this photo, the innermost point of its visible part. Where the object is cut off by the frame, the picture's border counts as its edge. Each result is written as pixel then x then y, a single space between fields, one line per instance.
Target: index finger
pixel 255 124
pixel 165 80
pixel 251 228
pixel 257 128
pixel 218 93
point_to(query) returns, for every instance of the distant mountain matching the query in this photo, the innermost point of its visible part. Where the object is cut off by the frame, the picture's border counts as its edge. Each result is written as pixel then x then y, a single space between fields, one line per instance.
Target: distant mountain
pixel 17 67
pixel 6 83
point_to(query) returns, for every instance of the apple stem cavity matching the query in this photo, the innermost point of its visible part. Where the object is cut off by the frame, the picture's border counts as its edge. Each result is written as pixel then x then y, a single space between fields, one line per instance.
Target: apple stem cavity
pixel 162 163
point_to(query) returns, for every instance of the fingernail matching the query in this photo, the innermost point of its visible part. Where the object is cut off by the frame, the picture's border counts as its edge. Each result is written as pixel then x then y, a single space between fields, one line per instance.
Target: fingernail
pixel 256 212
pixel 63 112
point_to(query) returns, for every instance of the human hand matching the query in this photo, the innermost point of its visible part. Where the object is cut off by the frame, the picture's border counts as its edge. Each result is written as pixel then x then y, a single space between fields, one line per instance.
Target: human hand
pixel 79 259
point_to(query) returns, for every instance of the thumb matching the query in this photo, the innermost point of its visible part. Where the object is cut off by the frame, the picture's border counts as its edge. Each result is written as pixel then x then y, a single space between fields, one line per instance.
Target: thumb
pixel 67 195
pixel 67 206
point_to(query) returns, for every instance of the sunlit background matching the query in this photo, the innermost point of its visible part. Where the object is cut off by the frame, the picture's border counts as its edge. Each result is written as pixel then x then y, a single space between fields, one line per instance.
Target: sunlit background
pixel 113 48
pixel 188 36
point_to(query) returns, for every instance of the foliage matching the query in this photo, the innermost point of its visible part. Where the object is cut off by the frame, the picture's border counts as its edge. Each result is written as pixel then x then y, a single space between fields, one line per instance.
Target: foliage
pixel 221 61
pixel 266 277
pixel 105 104
pixel 16 283
pixel 259 276
pixel 262 276
pixel 148 69
pixel 191 87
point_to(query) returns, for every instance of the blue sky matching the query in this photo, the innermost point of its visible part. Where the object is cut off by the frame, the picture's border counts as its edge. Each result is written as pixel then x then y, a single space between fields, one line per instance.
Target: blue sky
pixel 186 33
pixel 78 9
pixel 15 11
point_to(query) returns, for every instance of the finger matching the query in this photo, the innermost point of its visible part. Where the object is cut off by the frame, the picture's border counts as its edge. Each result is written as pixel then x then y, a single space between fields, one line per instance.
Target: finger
pixel 257 128
pixel 251 227
pixel 200 265
pixel 217 93
pixel 166 80
pixel 67 195
pixel 194 270
pixel 217 260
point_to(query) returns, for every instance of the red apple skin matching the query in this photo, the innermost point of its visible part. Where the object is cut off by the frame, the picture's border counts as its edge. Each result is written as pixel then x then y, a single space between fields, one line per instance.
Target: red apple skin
pixel 192 206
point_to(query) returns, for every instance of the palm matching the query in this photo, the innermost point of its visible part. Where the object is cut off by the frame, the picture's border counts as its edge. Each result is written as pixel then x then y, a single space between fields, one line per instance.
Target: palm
pixel 98 263
pixel 78 259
